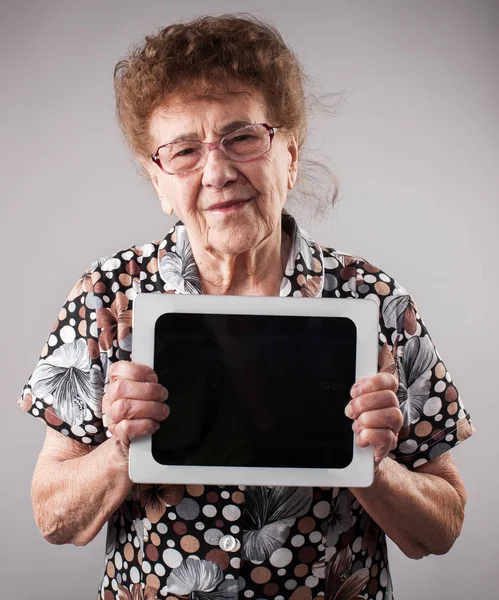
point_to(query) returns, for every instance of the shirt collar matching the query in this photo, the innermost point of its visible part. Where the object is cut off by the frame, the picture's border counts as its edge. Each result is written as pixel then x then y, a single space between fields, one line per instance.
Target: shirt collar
pixel 303 275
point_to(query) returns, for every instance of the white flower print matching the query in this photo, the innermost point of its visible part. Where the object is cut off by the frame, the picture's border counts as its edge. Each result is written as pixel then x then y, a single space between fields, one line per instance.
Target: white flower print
pixel 399 312
pixel 201 580
pixel 142 533
pixel 111 540
pixel 340 519
pixel 272 511
pixel 104 359
pixel 303 245
pixel 178 269
pixel 394 308
pixel 414 370
pixel 68 377
pixel 341 583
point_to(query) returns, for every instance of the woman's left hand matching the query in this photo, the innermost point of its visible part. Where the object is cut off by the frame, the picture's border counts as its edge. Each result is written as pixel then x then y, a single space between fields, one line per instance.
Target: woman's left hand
pixel 376 413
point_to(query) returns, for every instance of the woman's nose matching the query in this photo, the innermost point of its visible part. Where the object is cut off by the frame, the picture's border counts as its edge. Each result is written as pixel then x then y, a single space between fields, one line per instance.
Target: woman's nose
pixel 218 170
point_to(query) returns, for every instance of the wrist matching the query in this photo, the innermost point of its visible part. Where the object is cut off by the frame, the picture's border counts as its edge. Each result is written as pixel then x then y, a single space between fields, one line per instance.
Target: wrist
pixel 119 453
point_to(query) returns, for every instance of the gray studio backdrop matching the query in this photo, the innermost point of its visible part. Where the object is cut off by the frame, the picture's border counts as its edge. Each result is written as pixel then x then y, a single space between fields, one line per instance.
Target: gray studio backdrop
pixel 415 147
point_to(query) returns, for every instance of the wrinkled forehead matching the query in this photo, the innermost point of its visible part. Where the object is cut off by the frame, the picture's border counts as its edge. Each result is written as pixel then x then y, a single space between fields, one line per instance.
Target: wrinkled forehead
pixel 207 109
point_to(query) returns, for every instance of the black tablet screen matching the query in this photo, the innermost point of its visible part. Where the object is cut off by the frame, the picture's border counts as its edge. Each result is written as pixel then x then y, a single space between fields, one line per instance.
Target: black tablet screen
pixel 252 390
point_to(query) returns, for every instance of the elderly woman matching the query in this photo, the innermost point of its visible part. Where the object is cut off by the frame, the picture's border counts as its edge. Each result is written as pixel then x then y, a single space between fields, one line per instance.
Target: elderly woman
pixel 214 111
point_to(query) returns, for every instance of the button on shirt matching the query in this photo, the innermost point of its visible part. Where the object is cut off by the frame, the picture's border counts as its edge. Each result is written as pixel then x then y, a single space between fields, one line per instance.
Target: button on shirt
pixel 228 543
pixel 225 542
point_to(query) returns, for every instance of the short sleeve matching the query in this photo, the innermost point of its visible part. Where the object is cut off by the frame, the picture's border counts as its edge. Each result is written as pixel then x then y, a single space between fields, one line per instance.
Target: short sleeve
pixel 435 418
pixel 66 387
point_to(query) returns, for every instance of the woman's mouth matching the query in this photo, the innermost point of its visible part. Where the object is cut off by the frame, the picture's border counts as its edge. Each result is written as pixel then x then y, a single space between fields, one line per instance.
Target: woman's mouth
pixel 229 205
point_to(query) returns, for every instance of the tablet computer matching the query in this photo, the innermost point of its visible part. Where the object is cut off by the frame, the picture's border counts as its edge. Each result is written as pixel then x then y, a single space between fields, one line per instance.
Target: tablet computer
pixel 257 389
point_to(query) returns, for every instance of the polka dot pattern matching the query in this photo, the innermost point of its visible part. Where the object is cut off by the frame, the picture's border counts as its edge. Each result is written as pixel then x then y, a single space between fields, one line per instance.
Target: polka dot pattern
pixel 166 539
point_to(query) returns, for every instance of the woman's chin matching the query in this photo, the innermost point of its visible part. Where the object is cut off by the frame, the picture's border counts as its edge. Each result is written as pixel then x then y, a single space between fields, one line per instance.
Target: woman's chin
pixel 236 239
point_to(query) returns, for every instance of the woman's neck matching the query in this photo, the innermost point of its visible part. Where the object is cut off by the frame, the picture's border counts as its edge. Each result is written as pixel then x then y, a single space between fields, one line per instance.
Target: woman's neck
pixel 258 272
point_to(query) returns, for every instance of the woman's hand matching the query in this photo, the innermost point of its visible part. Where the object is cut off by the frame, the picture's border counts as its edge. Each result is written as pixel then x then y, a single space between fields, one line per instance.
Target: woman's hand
pixel 376 413
pixel 134 401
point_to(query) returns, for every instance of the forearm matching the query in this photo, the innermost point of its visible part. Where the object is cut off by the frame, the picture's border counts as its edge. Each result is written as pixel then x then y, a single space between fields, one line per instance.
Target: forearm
pixel 73 499
pixel 422 513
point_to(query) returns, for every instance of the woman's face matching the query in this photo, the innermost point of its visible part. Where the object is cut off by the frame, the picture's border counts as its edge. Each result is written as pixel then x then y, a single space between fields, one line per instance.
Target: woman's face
pixel 196 197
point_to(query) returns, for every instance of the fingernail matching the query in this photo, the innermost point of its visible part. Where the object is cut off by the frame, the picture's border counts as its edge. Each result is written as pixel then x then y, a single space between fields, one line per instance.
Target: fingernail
pixel 164 393
pixel 355 391
pixel 152 378
pixel 348 410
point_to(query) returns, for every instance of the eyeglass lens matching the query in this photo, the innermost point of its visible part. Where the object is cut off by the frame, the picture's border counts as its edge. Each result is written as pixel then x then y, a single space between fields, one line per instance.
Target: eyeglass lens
pixel 243 144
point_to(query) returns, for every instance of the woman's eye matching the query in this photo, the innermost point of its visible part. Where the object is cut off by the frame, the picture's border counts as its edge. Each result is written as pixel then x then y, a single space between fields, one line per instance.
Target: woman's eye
pixel 184 152
pixel 242 138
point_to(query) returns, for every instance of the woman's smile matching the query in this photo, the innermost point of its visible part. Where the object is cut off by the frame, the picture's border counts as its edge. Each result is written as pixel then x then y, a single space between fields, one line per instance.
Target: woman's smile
pixel 229 206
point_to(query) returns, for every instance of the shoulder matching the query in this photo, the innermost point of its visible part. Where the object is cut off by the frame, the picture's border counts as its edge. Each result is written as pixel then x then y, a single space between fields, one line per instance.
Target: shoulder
pixel 129 260
pixel 335 259
pixel 129 271
pixel 359 277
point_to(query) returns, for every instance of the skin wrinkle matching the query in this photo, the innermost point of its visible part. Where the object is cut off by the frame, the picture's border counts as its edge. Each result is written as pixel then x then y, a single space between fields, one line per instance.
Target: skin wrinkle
pixel 223 270
pixel 252 277
pixel 70 503
pixel 438 500
pixel 58 521
pixel 444 468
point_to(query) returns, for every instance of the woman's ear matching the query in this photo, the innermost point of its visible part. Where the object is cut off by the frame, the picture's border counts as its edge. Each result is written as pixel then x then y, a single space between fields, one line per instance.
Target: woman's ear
pixel 167 208
pixel 165 205
pixel 293 163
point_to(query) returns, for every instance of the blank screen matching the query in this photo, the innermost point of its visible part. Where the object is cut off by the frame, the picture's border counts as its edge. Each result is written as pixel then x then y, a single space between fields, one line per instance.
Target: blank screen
pixel 253 390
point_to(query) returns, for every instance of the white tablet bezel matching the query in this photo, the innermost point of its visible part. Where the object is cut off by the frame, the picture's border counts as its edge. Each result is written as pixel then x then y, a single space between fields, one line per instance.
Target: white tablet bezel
pixel 147 308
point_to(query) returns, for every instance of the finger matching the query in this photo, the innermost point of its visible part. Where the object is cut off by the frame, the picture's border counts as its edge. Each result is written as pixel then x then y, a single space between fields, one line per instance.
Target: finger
pixel 127 430
pixel 381 381
pixel 122 410
pixel 124 369
pixel 123 389
pixel 379 455
pixel 136 390
pixel 384 418
pixel 382 440
pixel 371 401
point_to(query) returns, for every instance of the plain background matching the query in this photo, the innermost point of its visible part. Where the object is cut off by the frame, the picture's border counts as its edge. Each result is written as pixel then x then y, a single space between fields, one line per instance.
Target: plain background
pixel 415 147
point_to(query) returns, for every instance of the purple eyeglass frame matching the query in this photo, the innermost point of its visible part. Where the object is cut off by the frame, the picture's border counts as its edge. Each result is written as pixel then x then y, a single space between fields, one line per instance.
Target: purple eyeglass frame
pixel 212 145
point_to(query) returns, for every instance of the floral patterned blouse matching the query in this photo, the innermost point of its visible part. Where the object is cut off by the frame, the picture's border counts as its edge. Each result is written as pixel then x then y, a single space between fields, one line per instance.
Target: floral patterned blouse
pixel 206 542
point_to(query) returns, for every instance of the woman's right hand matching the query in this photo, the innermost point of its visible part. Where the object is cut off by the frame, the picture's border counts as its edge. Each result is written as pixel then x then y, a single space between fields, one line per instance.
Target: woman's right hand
pixel 134 402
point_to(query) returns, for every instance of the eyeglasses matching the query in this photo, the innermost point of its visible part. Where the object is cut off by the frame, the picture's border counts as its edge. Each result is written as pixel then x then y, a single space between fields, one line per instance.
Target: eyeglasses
pixel 241 145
